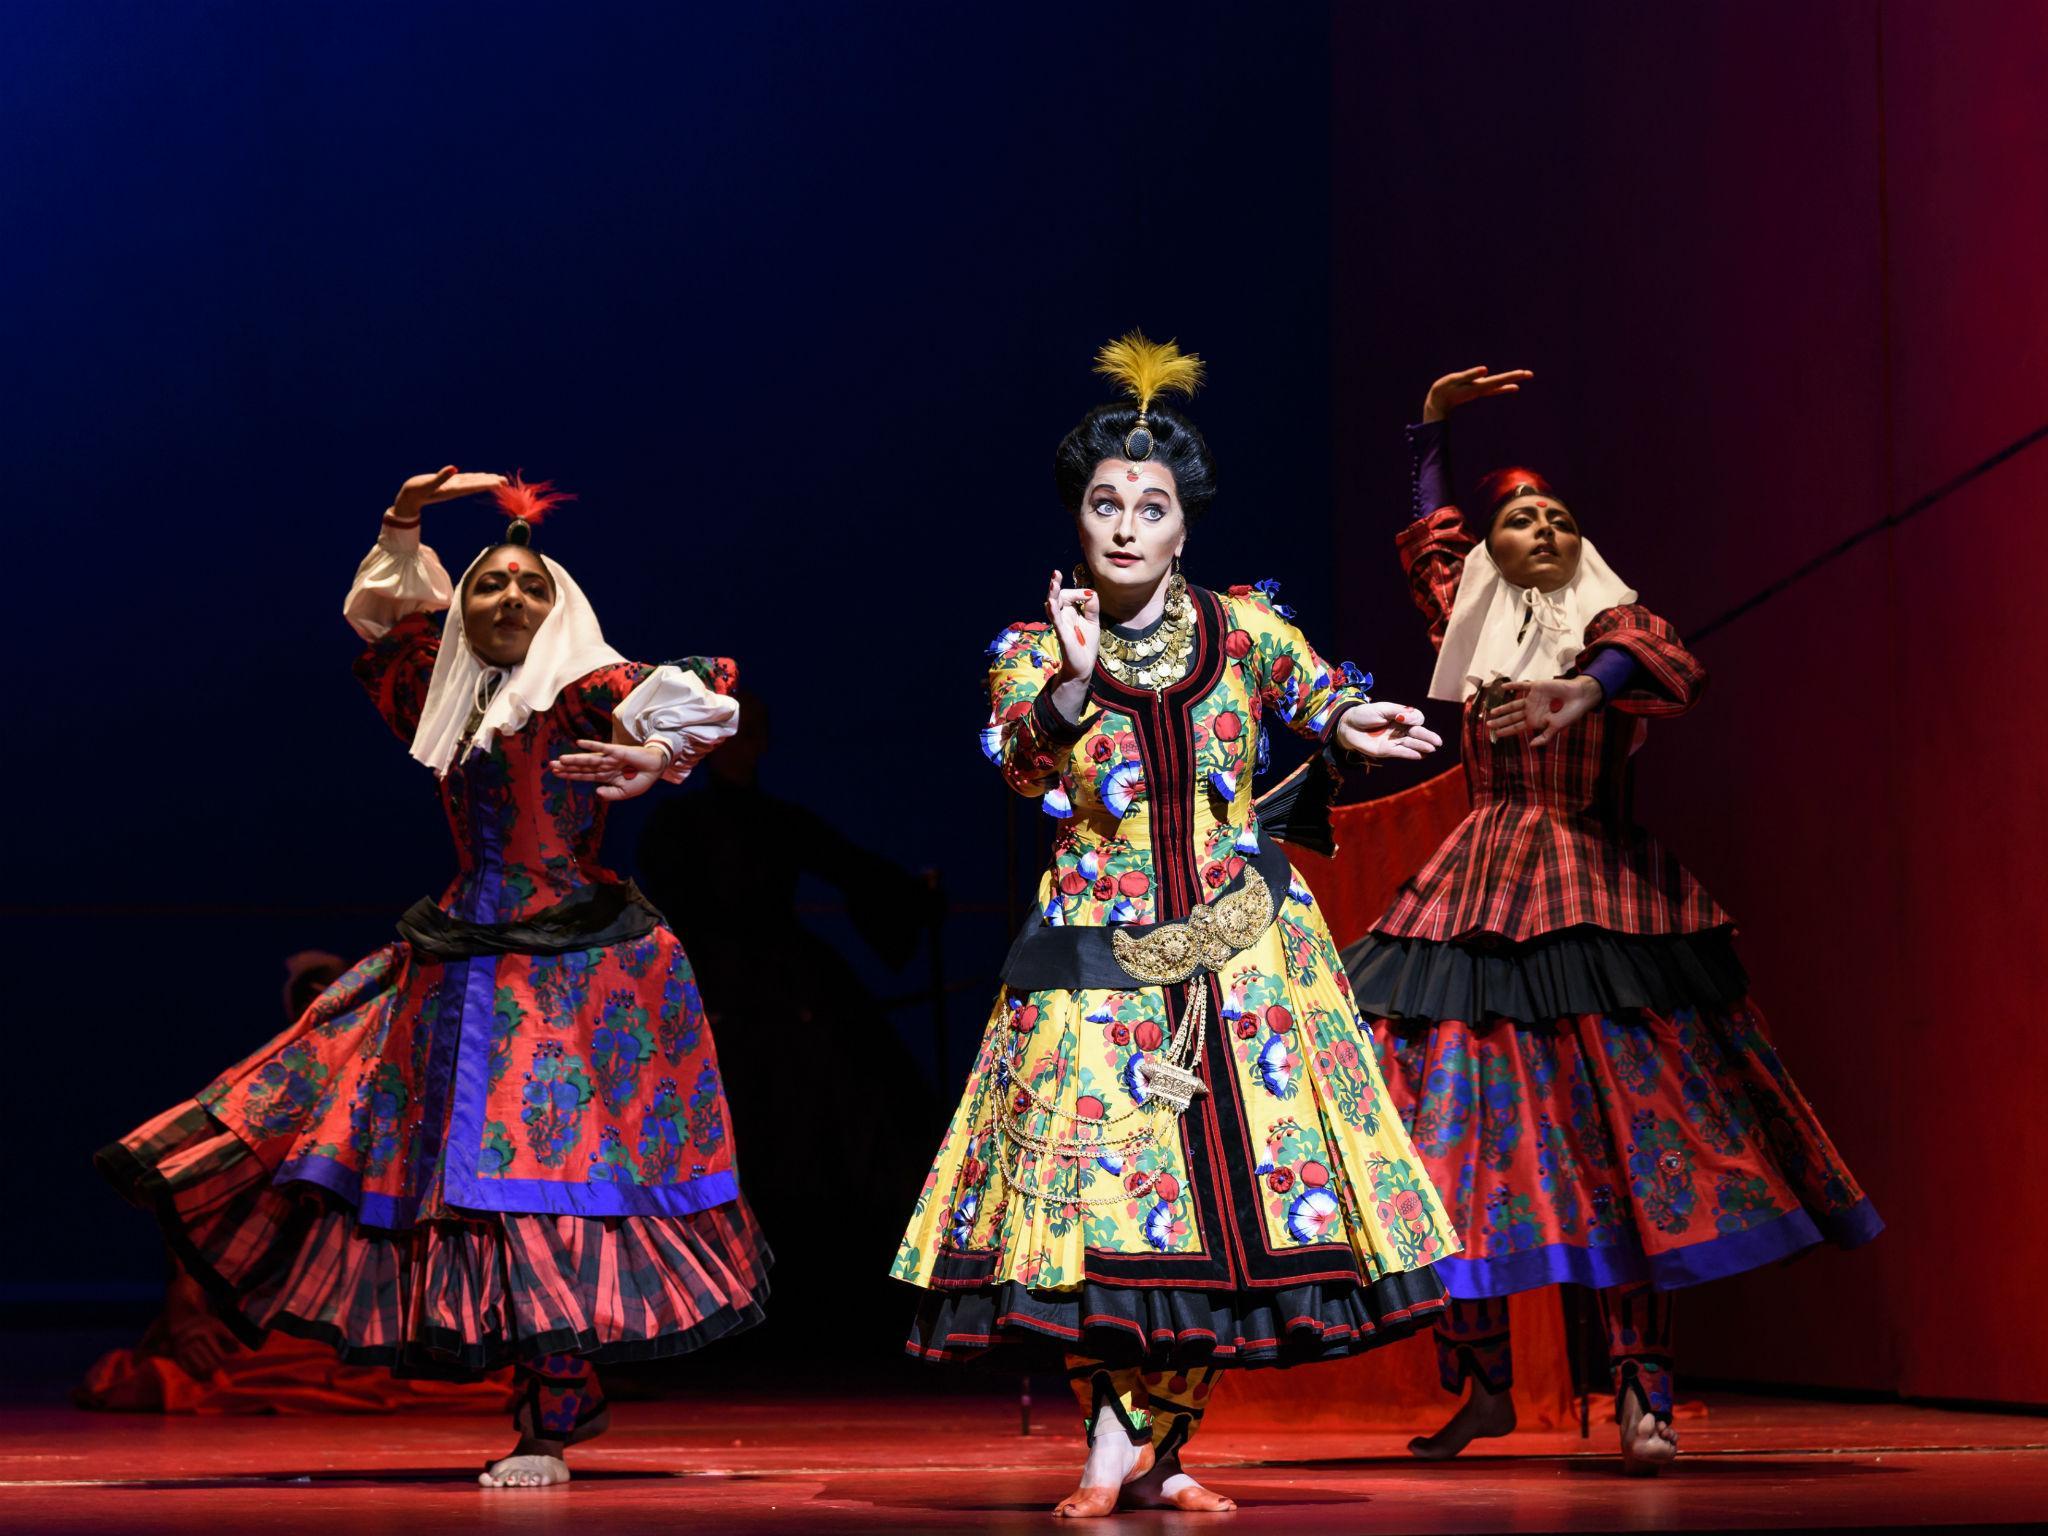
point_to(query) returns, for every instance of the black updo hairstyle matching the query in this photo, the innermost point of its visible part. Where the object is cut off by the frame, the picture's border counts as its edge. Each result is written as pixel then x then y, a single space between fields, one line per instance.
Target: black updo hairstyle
pixel 1176 443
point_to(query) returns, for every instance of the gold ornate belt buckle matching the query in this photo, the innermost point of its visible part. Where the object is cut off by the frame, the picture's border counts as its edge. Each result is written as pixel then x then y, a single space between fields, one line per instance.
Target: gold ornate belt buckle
pixel 1165 956
pixel 1176 952
pixel 1173 952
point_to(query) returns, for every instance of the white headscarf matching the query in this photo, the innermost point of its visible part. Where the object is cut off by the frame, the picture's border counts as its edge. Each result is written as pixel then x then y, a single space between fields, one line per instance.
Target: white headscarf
pixel 1500 630
pixel 568 645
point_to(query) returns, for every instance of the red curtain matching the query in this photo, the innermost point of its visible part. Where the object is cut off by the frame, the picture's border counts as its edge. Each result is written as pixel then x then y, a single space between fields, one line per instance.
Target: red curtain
pixel 1381 843
pixel 1834 218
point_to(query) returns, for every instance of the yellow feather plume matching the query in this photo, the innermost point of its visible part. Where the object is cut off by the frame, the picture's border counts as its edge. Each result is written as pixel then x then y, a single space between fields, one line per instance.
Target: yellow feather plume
pixel 1149 368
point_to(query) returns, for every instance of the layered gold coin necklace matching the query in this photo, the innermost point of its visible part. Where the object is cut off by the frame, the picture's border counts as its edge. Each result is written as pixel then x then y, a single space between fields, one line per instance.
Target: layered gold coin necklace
pixel 1159 659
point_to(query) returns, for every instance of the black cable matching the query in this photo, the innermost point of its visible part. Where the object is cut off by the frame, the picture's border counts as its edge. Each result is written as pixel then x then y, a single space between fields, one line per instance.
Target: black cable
pixel 1891 520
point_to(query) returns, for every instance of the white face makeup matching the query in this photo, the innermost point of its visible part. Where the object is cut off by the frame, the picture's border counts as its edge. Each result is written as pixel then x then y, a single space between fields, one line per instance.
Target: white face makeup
pixel 1535 542
pixel 509 594
pixel 1131 527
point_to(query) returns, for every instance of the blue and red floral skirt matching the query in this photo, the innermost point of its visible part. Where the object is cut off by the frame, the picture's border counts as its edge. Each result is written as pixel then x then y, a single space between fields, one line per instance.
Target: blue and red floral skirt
pixel 449 1167
pixel 1634 1123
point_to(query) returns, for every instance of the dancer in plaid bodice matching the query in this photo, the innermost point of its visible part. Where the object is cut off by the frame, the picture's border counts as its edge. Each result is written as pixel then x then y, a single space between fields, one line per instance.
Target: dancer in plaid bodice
pixel 1556 1001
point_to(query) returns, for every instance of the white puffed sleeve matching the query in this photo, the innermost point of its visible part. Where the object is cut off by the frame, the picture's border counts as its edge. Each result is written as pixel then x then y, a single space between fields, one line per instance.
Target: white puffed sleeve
pixel 678 708
pixel 398 577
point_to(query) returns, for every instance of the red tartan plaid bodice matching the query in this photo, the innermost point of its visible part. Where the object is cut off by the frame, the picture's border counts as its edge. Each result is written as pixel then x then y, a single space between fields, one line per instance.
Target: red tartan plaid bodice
pixel 1551 840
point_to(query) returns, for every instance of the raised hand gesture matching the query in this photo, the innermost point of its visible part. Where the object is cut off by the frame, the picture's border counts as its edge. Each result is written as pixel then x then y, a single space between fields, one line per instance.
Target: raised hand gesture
pixel 445 484
pixel 1454 389
pixel 1076 614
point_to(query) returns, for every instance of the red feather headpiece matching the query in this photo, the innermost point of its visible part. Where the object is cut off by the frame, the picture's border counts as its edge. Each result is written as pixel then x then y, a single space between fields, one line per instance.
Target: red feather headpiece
pixel 529 502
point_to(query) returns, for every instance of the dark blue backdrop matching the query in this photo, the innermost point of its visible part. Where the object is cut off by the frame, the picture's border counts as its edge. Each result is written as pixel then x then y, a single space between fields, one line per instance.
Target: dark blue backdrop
pixel 796 298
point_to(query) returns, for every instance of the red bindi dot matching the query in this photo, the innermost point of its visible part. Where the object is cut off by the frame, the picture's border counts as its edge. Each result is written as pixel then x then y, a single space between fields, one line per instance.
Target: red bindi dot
pixel 512 566
pixel 1130 474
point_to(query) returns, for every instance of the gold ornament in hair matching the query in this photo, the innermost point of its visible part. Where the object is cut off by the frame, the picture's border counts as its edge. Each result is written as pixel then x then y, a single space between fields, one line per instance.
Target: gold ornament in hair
pixel 1146 370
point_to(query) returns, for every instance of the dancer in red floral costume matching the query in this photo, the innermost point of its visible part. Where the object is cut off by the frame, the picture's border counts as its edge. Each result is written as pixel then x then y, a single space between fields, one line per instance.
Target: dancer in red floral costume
pixel 501 1139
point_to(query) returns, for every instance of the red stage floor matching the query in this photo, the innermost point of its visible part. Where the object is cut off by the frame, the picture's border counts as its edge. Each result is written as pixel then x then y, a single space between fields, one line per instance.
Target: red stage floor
pixel 945 1463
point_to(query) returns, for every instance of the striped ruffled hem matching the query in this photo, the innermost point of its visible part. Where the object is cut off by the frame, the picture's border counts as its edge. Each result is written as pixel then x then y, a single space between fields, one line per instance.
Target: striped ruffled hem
pixel 448 1297
pixel 1173 1327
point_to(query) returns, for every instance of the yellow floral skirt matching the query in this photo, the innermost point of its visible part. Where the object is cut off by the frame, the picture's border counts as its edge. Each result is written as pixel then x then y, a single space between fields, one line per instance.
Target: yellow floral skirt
pixel 1282 1217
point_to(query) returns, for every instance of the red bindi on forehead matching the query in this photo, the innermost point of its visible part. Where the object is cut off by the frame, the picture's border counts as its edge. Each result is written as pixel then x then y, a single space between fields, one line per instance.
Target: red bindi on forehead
pixel 512 566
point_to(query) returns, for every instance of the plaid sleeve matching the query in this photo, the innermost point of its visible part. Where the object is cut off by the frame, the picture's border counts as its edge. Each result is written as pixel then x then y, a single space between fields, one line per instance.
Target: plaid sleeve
pixel 1668 679
pixel 1433 550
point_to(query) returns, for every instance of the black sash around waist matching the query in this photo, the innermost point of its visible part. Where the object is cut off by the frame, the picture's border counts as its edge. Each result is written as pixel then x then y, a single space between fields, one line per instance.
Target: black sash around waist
pixel 1046 957
pixel 592 918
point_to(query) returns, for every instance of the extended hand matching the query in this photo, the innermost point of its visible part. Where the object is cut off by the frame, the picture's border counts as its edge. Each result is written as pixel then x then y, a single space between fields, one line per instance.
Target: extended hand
pixel 1385 731
pixel 443 485
pixel 1541 708
pixel 618 769
pixel 1454 389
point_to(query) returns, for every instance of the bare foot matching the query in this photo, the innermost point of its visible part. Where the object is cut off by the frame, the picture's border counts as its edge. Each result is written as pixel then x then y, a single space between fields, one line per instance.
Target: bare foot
pixel 532 1464
pixel 1483 1415
pixel 1165 1486
pixel 1112 1462
pixel 1647 1447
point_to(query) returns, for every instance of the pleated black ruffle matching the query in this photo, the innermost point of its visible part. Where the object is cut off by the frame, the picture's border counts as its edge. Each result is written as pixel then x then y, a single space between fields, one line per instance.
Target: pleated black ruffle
pixel 1173 1327
pixel 1562 975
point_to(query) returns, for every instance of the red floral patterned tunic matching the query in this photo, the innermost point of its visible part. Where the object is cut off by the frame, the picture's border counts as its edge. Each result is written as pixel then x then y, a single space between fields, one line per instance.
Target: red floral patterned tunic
pixel 580 1083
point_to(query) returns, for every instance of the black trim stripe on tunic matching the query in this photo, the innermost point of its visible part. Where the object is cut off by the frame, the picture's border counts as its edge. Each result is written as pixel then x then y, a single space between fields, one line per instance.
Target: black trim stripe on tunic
pixel 1222 1167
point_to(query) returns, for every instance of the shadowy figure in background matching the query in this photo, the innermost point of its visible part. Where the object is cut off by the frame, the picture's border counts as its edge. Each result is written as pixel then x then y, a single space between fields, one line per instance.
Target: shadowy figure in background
pixel 832 1109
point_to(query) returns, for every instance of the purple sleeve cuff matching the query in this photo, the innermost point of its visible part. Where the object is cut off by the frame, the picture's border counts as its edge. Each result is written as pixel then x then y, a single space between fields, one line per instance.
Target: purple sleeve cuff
pixel 1429 466
pixel 1612 668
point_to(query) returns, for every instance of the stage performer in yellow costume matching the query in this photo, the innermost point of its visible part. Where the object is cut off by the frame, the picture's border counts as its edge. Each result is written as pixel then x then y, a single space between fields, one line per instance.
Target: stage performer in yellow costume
pixel 1175 1153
